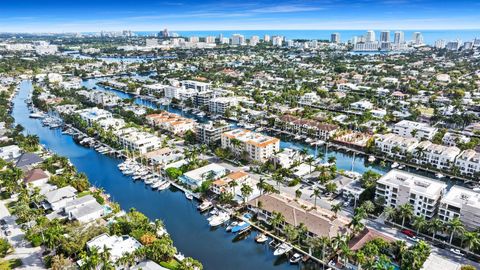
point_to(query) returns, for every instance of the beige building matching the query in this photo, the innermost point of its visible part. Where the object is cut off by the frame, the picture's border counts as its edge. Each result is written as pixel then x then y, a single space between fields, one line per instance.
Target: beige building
pixel 462 203
pixel 400 187
pixel 172 122
pixel 257 146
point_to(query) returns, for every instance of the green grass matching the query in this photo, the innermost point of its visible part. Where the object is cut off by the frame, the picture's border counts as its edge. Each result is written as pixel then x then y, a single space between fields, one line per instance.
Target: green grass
pixel 10 264
pixel 172 264
pixel 84 193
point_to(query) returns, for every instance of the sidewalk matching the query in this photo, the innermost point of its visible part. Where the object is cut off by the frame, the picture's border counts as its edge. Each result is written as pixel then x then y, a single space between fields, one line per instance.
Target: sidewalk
pixel 31 256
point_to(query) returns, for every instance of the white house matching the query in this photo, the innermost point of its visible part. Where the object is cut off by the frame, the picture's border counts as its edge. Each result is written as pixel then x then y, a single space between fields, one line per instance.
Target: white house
pixel 417 130
pixel 468 162
pixel 84 209
pixel 462 203
pixel 58 198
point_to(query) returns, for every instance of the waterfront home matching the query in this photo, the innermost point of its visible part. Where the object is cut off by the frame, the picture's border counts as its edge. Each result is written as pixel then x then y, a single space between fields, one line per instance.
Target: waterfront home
pixel 319 222
pixel 196 177
pixel 36 177
pixel 400 187
pixel 27 161
pixel 58 198
pixel 365 236
pixel 118 246
pixel 111 123
pixel 395 145
pixel 171 122
pixel 287 158
pixel 148 265
pixel 10 152
pixel 162 156
pixel 462 203
pixel 420 131
pixel 211 132
pixel 307 127
pixel 256 146
pixel 83 209
pixel 468 162
pixel 452 139
pixel 92 115
pixel 224 184
pixel 435 155
pixel 137 141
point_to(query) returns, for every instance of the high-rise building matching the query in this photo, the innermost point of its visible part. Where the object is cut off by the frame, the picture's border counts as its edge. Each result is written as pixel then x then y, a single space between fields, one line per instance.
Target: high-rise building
pixel 370 37
pixel 254 40
pixel 266 38
pixel 453 45
pixel 417 38
pixel 277 41
pixel 440 44
pixel 399 37
pixel 151 42
pixel 385 36
pixel 335 38
pixel 210 39
pixel 238 39
pixel 476 42
pixel 193 39
pixel 468 45
pixel 165 33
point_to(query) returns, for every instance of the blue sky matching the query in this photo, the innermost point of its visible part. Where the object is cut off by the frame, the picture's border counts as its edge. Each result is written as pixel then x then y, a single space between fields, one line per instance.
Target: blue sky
pixel 144 15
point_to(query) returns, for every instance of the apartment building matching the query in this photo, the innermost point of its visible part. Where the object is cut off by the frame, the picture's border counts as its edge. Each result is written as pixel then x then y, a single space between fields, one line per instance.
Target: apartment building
pixel 171 122
pixel 307 127
pixel 468 162
pixel 138 141
pixel 257 146
pixel 179 93
pixel 420 131
pixel 196 85
pixel 211 132
pixel 401 187
pixel 220 104
pixel 394 145
pixel 462 203
pixel 439 156
pixel 223 185
pixel 91 115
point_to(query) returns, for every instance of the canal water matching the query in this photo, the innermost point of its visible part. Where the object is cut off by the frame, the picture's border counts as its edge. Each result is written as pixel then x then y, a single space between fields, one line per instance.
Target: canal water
pixel 189 229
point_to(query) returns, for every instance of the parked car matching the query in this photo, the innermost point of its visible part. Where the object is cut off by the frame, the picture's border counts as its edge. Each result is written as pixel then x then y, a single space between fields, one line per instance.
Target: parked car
pixel 408 233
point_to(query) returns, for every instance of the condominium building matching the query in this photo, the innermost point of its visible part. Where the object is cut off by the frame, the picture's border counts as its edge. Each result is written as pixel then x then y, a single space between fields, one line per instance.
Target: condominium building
pixel 238 39
pixel 439 156
pixel 469 162
pixel 220 104
pixel 335 38
pixel 257 146
pixel 199 86
pixel 138 141
pixel 254 40
pixel 211 132
pixel 179 93
pixel 91 115
pixel 223 185
pixel 172 122
pixel 307 127
pixel 417 130
pixel 401 187
pixel 394 145
pixel 462 203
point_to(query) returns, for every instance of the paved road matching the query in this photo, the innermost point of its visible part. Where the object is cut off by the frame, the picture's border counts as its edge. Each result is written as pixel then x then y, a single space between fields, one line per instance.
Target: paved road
pixel 31 256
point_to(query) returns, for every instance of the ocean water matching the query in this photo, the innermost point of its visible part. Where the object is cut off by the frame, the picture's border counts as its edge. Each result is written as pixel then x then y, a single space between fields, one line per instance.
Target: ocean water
pixel 429 36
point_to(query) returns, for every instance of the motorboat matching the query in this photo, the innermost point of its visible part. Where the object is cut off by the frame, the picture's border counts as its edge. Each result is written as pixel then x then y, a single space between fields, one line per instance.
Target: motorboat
pixel 282 249
pixel 439 175
pixel 240 227
pixel 296 257
pixel 156 184
pixel 164 185
pixel 229 227
pixel 261 238
pixel 219 219
pixel 205 205
pixel 401 167
pixel 371 158
pixel 395 165
pixel 189 195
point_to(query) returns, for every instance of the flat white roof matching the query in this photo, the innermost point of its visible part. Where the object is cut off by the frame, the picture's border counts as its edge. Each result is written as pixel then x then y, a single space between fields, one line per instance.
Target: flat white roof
pixel 458 196
pixel 418 183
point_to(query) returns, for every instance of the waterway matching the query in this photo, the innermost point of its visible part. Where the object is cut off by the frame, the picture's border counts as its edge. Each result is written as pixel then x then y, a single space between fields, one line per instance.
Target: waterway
pixel 189 229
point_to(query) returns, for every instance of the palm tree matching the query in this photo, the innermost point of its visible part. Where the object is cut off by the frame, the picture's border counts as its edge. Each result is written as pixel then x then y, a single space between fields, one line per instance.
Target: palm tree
pixel 261 185
pixel 368 206
pixel 390 213
pixel 290 232
pixel 302 232
pixel 434 226
pixel 276 220
pixel 455 226
pixel 419 223
pixel 398 248
pixel 316 194
pixel 246 191
pixel 471 240
pixel 310 161
pixel 406 212
pixel 298 194
pixel 336 208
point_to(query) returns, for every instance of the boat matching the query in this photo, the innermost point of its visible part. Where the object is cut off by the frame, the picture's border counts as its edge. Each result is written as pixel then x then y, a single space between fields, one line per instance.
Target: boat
pixel 179 257
pixel 282 249
pixel 261 238
pixel 36 115
pixel 219 219
pixel 401 167
pixel 296 257
pixel 371 158
pixel 240 227
pixel 189 195
pixel 156 184
pixel 394 165
pixel 308 140
pixel 231 225
pixel 164 185
pixel 439 175
pixel 205 205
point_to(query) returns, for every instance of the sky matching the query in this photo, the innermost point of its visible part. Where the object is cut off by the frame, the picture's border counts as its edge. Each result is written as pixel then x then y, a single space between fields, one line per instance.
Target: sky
pixel 183 15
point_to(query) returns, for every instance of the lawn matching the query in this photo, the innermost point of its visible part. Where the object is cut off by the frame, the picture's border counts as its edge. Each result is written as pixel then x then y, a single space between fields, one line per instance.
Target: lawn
pixel 10 264
pixel 172 264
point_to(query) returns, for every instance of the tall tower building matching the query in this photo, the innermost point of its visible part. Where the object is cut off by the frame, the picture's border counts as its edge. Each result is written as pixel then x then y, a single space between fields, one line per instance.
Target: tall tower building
pixel 417 38
pixel 370 37
pixel 399 37
pixel 266 38
pixel 385 36
pixel 335 38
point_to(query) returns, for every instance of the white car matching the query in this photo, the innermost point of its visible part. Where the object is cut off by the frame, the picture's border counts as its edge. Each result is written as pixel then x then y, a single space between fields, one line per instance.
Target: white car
pixel 456 251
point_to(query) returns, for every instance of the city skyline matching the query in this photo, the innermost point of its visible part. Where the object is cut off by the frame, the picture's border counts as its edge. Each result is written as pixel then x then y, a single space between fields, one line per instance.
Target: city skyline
pixel 56 16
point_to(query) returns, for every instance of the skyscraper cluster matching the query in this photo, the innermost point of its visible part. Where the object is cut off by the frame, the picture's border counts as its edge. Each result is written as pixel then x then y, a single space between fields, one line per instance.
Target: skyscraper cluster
pixel 369 42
